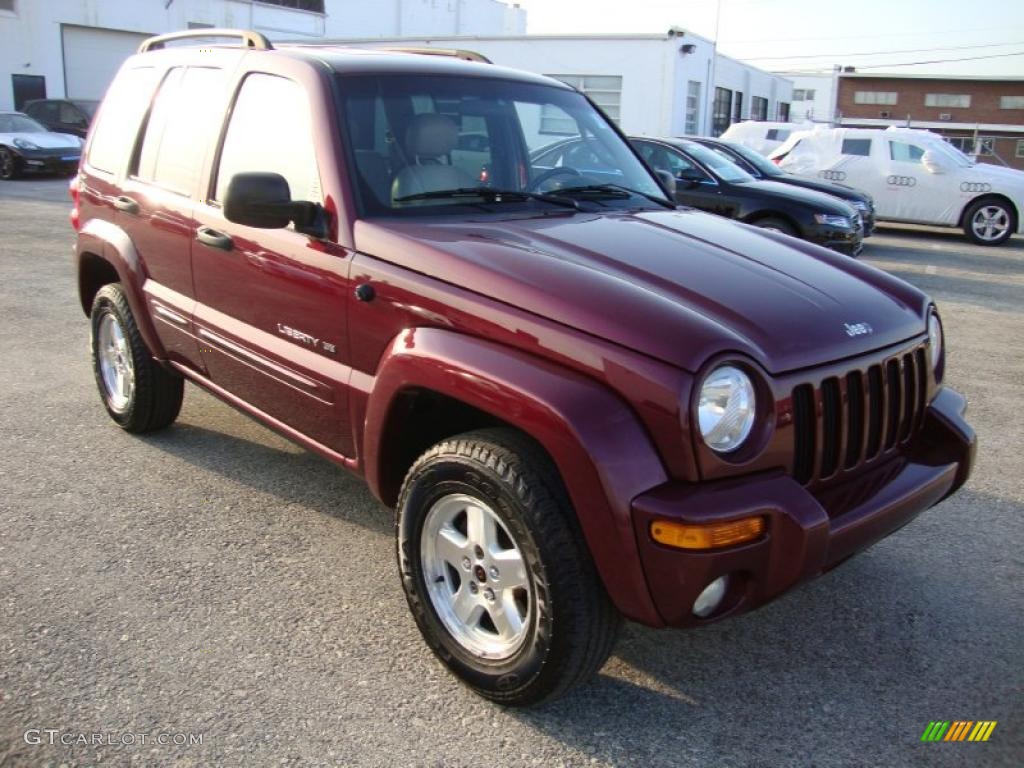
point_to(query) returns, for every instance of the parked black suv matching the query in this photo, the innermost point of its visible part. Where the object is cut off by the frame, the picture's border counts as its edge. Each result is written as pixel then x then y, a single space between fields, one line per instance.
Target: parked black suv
pixel 760 167
pixel 63 115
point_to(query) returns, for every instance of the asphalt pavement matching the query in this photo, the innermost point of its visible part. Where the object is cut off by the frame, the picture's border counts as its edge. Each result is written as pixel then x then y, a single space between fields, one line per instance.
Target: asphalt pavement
pixel 216 584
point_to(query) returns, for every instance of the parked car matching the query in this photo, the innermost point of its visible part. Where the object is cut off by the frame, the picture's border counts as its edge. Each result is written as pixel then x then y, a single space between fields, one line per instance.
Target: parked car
pixel 25 145
pixel 762 136
pixel 711 182
pixel 584 403
pixel 760 167
pixel 914 176
pixel 63 115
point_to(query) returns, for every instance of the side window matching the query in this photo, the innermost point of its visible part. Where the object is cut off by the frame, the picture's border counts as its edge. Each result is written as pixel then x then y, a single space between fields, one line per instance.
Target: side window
pixel 69 114
pixel 177 133
pixel 905 153
pixel 271 131
pixel 859 147
pixel 122 111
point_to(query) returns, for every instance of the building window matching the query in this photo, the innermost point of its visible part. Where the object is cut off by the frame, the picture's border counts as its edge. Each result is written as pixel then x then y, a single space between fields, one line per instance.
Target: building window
pixel 316 6
pixel 720 111
pixel 1011 102
pixel 958 100
pixel 1020 147
pixel 964 143
pixel 874 97
pixel 8 7
pixel 737 107
pixel 692 107
pixel 783 112
pixel 803 94
pixel 603 90
pixel 758 108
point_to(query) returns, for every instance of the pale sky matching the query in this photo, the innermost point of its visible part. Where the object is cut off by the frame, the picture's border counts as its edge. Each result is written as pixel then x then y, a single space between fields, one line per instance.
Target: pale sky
pixel 820 32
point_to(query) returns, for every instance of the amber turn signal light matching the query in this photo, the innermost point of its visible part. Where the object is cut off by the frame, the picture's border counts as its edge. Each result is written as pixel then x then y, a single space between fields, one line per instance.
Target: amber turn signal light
pixel 708 535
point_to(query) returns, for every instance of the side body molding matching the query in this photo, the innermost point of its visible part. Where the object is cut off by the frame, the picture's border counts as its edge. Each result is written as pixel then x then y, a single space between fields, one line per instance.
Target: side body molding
pixel 109 241
pixel 603 454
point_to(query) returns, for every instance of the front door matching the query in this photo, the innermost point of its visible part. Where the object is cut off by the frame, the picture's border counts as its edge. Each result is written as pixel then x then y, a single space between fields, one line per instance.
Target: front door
pixel 271 306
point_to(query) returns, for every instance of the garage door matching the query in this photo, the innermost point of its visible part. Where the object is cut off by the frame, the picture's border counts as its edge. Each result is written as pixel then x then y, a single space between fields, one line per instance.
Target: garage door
pixel 92 57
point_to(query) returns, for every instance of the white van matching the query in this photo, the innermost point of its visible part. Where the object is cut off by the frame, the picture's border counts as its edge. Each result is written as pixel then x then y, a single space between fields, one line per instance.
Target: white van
pixel 914 176
pixel 763 136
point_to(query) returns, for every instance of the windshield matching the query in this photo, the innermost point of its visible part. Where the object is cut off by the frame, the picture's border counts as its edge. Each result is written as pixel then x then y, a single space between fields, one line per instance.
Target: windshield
pixel 425 143
pixel 19 124
pixel 951 152
pixel 763 165
pixel 89 107
pixel 717 163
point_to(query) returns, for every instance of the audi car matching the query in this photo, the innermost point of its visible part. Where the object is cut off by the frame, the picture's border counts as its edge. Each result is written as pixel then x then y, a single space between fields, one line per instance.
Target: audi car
pixel 914 176
pixel 26 145
pixel 760 167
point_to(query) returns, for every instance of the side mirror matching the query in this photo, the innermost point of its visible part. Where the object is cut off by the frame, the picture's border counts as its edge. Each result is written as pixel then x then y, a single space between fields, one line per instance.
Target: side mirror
pixel 264 200
pixel 933 162
pixel 691 177
pixel 668 181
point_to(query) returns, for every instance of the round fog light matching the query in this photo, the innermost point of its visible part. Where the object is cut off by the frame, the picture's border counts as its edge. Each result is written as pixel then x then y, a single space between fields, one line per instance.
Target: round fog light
pixel 707 602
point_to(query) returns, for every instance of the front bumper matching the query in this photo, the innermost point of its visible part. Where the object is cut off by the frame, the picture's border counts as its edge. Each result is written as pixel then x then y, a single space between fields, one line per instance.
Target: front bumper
pixel 841 239
pixel 807 534
pixel 50 160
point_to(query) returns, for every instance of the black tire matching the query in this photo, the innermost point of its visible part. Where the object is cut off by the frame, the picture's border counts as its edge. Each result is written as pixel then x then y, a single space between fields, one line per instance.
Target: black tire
pixel 10 164
pixel 778 225
pixel 156 394
pixel 572 624
pixel 1002 212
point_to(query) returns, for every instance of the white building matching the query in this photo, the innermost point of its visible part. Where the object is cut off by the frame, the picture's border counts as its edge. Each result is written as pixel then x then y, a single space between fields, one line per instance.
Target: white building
pixel 652 85
pixel 814 96
pixel 72 48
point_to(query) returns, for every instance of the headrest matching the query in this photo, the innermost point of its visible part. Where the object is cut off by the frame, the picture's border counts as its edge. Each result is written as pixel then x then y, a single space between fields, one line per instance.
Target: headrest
pixel 431 135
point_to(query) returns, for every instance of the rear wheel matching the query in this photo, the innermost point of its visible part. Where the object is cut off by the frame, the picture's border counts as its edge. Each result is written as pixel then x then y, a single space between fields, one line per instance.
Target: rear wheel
pixel 776 225
pixel 138 393
pixel 10 165
pixel 495 570
pixel 989 222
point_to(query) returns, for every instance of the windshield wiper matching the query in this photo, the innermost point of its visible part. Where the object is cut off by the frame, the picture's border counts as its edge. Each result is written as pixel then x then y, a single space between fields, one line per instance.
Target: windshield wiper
pixel 491 195
pixel 617 191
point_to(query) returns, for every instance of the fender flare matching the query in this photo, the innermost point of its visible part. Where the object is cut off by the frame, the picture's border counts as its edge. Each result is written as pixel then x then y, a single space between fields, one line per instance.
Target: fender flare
pixel 602 452
pixel 112 244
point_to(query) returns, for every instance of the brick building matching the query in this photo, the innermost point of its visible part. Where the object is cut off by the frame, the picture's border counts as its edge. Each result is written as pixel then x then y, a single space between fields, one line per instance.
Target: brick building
pixel 977 115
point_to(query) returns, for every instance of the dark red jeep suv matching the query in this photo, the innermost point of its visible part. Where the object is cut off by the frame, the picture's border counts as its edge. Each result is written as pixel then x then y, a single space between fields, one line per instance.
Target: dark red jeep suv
pixel 584 402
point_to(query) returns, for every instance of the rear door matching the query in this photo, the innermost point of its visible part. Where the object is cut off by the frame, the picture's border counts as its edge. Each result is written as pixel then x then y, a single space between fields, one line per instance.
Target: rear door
pixel 271 312
pixel 911 192
pixel 156 202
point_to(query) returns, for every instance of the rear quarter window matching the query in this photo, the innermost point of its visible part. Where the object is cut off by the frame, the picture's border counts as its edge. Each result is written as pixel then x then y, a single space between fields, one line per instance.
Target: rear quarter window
pixel 122 112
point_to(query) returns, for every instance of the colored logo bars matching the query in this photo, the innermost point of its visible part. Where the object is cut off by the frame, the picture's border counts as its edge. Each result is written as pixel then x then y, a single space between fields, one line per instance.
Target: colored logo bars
pixel 959 730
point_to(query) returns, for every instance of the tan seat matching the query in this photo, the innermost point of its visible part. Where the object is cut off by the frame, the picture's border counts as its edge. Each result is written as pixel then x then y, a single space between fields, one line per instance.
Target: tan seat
pixel 429 139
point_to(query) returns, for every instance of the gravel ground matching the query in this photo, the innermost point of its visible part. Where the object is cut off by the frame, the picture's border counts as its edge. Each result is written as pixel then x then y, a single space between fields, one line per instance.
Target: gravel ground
pixel 218 582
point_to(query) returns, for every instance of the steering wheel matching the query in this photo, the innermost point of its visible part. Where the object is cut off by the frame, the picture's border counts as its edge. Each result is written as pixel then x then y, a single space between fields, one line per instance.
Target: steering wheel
pixel 562 170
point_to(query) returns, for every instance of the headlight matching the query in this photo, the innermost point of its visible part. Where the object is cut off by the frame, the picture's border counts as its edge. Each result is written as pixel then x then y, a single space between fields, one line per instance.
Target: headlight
pixel 935 340
pixel 860 205
pixel 24 144
pixel 832 220
pixel 725 411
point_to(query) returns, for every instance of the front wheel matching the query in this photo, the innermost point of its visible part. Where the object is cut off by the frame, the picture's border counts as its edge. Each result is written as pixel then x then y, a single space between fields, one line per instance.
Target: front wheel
pixel 989 222
pixel 495 570
pixel 776 225
pixel 138 393
pixel 10 164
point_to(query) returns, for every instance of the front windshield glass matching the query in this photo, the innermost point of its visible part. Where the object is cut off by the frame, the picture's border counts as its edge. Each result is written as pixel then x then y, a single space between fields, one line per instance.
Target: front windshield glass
pixel 19 124
pixel 764 166
pixel 954 154
pixel 442 144
pixel 89 107
pixel 718 164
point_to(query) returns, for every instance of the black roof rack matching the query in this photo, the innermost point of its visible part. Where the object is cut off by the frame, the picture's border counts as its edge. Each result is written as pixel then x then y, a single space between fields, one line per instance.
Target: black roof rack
pixel 249 39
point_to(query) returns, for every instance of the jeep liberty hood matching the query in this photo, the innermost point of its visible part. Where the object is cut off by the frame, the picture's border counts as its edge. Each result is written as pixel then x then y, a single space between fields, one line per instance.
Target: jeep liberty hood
pixel 676 285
